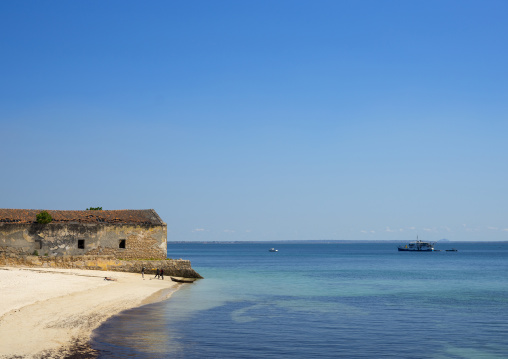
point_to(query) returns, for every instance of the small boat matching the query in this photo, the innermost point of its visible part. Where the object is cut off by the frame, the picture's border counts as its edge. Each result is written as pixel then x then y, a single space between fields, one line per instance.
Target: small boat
pixel 183 280
pixel 273 250
pixel 417 246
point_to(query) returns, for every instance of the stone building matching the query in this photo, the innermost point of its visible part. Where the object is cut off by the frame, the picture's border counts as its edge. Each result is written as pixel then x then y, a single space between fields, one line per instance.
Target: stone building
pixel 124 234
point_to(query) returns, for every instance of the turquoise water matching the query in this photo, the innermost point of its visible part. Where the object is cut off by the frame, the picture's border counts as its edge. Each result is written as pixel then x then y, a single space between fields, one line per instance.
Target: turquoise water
pixel 324 301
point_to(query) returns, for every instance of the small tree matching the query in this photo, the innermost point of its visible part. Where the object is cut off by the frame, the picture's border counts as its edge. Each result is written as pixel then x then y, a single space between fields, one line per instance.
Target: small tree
pixel 44 218
pixel 94 209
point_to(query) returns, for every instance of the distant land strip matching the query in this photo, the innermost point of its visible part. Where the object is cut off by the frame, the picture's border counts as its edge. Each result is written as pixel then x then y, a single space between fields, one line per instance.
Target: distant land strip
pixel 325 241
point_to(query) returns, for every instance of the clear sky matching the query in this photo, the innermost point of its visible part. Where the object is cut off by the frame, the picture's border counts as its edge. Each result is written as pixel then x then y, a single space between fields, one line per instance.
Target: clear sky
pixel 261 120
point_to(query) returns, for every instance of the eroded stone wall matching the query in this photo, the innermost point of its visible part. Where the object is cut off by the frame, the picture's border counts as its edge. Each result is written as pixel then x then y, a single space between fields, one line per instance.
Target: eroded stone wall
pixel 143 241
pixel 172 267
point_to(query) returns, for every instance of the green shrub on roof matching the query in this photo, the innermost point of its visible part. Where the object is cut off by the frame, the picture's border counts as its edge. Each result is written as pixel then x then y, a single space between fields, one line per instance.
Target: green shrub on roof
pixel 44 218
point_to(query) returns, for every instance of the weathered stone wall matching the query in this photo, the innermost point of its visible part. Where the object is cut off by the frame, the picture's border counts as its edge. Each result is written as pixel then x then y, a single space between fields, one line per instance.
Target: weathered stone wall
pixel 172 267
pixel 143 241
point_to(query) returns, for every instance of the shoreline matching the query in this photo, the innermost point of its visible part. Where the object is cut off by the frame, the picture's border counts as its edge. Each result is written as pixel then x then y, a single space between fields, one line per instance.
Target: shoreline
pixel 46 312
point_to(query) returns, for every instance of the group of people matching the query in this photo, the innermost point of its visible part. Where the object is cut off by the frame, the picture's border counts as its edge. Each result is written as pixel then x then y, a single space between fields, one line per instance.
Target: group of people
pixel 158 274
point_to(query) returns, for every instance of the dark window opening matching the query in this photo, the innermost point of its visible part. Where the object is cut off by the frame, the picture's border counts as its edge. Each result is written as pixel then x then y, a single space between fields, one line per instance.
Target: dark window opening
pixel 122 243
pixel 81 244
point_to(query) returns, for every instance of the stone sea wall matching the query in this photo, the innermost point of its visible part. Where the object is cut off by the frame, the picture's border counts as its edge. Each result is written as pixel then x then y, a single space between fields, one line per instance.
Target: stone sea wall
pixel 172 267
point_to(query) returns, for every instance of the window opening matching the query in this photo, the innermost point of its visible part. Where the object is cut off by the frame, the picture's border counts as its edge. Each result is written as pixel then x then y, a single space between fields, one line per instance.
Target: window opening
pixel 81 244
pixel 122 243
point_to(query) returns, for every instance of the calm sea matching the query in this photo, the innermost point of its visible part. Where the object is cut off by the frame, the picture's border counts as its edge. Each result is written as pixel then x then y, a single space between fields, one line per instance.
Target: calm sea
pixel 324 301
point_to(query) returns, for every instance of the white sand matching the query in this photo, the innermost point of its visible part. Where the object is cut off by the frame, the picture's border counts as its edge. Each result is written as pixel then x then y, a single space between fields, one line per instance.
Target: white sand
pixel 44 312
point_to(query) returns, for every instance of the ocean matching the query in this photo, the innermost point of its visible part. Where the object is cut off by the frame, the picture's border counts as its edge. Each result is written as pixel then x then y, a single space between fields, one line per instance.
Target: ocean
pixel 320 300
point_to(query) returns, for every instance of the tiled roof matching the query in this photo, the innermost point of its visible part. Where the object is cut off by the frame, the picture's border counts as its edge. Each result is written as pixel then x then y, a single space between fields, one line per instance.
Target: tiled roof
pixel 135 216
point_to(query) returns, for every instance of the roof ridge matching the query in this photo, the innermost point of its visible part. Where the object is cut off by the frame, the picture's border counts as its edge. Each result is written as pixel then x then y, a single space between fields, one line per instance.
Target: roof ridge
pixel 133 216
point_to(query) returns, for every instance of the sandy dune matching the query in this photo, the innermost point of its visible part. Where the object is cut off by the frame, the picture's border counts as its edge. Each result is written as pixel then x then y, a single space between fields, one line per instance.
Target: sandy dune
pixel 46 312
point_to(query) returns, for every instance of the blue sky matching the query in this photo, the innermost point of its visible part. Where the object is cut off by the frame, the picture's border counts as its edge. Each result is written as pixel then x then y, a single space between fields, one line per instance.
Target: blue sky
pixel 261 120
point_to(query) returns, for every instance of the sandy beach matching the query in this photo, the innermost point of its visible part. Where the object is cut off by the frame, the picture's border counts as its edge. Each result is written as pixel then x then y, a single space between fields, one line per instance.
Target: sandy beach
pixel 47 313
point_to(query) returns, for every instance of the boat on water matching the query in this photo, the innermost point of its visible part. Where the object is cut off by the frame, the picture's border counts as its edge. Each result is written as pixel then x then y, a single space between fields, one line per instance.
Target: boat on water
pixel 451 250
pixel 273 250
pixel 418 246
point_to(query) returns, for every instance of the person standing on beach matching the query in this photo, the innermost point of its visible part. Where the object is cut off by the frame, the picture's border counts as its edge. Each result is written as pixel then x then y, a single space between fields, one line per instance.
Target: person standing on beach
pixel 162 274
pixel 143 272
pixel 157 273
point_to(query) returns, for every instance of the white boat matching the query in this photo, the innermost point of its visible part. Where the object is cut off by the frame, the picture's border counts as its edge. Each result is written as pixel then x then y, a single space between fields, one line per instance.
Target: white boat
pixel 273 250
pixel 418 246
